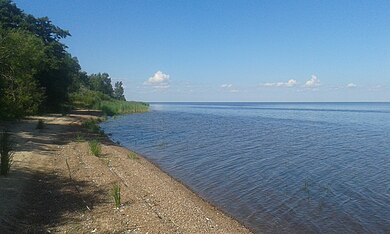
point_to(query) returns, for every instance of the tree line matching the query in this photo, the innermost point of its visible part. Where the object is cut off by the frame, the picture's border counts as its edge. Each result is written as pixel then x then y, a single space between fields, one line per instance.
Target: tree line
pixel 37 73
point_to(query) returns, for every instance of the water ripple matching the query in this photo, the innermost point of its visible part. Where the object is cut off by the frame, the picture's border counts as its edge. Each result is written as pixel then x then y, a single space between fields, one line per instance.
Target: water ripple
pixel 279 168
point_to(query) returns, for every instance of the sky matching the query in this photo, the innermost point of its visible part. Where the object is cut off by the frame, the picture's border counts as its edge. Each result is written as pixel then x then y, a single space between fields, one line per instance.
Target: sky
pixel 223 50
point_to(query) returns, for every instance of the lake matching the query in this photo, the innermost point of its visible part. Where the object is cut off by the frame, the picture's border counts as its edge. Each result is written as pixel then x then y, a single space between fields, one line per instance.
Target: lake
pixel 275 167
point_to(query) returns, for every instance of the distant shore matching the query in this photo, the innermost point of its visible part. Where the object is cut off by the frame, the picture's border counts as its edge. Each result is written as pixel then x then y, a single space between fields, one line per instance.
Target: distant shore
pixel 57 185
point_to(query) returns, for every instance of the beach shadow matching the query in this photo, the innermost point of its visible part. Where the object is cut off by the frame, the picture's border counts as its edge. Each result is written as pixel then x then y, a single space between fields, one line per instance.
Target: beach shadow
pixel 46 200
pixel 34 200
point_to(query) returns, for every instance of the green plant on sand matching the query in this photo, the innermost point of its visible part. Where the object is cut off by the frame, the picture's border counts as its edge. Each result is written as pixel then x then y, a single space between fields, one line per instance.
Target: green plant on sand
pixel 95 147
pixel 116 194
pixel 79 137
pixel 132 155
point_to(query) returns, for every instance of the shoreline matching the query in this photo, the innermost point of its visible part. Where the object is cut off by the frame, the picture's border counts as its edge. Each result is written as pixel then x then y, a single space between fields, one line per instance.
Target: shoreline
pixel 214 207
pixel 62 187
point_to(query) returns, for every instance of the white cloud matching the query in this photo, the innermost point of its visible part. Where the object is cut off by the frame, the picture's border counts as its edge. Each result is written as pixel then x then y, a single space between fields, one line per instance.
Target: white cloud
pixel 351 85
pixel 290 83
pixel 313 82
pixel 158 80
pixel 226 86
pixel 229 87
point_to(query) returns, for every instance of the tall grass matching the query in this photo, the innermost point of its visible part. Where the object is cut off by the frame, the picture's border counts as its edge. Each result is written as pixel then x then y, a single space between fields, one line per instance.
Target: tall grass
pixel 5 153
pixel 116 194
pixel 116 107
pixel 95 147
pixel 92 99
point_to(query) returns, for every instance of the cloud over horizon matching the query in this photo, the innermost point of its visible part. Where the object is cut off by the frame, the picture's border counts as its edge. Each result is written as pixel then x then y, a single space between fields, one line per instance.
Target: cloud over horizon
pixel 158 80
pixel 289 83
pixel 313 82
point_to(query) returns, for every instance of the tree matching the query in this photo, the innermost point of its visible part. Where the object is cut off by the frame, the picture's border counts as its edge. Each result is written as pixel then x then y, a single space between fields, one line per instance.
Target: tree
pixel 119 91
pixel 21 58
pixel 101 82
pixel 11 17
pixel 58 70
pixel 36 71
pixel 57 79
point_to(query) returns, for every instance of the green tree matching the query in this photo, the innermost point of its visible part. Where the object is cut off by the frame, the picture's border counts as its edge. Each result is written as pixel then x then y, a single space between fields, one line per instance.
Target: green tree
pixel 38 74
pixel 11 16
pixel 119 91
pixel 59 68
pixel 21 56
pixel 57 78
pixel 101 82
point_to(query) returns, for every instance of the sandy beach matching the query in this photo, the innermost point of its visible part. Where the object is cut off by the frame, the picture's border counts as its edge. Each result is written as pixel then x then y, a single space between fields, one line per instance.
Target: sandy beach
pixel 56 185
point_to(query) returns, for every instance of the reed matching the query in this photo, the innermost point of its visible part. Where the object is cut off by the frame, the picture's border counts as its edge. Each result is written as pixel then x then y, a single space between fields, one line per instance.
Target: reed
pixel 116 107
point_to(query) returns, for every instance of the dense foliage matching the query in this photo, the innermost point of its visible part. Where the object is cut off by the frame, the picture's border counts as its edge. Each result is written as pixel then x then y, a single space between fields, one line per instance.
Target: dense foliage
pixel 38 74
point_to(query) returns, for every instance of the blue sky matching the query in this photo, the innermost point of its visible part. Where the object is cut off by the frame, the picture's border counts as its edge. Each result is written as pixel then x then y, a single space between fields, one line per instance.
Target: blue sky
pixel 231 50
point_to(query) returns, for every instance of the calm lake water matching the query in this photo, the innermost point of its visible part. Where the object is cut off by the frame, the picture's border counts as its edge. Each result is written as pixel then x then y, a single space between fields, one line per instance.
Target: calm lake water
pixel 276 167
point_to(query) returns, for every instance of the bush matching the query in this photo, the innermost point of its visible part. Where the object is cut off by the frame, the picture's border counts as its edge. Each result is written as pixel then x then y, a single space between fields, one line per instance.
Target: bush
pixel 5 153
pixel 95 147
pixel 86 98
pixel 21 56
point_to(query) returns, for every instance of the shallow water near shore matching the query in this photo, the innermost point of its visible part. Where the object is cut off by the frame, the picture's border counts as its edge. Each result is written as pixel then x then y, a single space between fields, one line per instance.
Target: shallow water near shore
pixel 276 167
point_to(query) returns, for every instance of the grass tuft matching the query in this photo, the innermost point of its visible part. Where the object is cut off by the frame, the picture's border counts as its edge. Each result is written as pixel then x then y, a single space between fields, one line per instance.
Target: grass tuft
pixel 5 153
pixel 132 155
pixel 116 194
pixel 79 137
pixel 95 147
